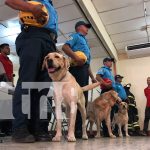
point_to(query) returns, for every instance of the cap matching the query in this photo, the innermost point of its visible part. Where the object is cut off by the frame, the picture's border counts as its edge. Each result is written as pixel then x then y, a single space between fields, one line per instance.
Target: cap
pixel 79 23
pixel 108 59
pixel 118 76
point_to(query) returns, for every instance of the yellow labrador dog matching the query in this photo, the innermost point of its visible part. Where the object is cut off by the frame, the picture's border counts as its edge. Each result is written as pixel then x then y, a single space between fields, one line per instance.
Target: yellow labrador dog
pixel 121 118
pixel 100 109
pixel 67 91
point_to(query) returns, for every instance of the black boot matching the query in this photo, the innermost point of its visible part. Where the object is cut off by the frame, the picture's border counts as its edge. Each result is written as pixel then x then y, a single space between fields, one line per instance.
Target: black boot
pixel 43 137
pixel 22 135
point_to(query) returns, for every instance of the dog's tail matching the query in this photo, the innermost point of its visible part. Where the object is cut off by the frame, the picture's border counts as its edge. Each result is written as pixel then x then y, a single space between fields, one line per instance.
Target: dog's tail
pixel 90 86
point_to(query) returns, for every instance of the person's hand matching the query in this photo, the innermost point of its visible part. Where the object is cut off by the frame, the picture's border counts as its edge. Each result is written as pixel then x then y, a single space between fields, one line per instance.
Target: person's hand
pixel 79 61
pixel 93 80
pixel 39 14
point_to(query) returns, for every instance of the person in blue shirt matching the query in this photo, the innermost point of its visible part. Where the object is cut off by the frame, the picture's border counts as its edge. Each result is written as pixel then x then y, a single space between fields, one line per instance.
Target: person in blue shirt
pixel 119 88
pixel 32 45
pixel 105 73
pixel 81 72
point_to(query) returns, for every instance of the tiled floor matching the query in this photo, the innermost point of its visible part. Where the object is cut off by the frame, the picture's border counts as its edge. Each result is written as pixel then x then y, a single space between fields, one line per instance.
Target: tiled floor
pixel 132 143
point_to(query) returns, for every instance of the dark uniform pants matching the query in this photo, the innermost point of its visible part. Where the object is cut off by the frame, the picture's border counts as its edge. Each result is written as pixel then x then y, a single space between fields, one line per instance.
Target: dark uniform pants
pixel 32 46
pixel 147 118
pixel 81 75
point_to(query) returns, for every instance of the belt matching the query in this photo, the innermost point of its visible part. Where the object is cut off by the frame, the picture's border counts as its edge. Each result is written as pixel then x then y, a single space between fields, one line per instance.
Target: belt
pixel 72 66
pixel 50 32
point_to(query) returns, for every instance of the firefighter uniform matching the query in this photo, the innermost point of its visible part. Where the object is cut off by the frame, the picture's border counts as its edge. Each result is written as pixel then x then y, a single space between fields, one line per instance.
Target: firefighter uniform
pixel 133 123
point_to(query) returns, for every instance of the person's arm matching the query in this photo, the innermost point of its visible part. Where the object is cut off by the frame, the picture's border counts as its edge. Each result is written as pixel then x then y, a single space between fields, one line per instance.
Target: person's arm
pixel 91 75
pixel 100 79
pixel 2 70
pixel 68 51
pixel 22 5
pixel 3 73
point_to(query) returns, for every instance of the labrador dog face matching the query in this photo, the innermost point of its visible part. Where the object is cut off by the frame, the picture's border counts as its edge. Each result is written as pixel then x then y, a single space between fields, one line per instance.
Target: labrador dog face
pixel 54 62
pixel 123 107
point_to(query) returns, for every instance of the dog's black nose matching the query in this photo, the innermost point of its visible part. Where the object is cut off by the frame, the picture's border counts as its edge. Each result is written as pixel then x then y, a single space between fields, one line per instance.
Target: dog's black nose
pixel 50 63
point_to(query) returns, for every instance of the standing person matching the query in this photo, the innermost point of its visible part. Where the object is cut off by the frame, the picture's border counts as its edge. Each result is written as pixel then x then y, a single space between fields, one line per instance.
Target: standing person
pixel 147 109
pixel 120 89
pixel 6 63
pixel 82 71
pixel 133 123
pixel 32 45
pixel 6 75
pixel 105 76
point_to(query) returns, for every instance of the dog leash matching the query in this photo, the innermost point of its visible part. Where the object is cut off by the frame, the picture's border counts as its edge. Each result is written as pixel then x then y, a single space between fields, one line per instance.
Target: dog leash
pixel 91 96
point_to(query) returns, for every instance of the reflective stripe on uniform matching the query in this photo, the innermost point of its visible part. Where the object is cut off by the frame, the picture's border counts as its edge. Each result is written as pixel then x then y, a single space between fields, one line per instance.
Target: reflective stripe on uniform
pixel 130 97
pixel 131 105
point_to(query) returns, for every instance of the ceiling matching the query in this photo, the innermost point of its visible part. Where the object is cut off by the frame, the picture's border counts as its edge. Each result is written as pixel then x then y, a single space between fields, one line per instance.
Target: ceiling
pixel 124 21
pixel 9 28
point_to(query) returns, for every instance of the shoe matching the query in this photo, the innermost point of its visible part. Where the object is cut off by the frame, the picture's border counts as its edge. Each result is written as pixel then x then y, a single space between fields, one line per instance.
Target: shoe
pixel 2 134
pixel 90 136
pixel 78 134
pixel 43 137
pixel 22 135
pixel 105 134
pixel 143 133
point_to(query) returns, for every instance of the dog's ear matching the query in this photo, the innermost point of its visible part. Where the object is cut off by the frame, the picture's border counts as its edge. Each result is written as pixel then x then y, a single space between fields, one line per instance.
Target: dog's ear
pixel 114 94
pixel 44 63
pixel 126 105
pixel 66 63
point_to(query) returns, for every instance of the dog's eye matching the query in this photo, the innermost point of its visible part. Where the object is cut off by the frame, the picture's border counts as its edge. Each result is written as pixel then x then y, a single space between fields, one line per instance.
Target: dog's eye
pixel 56 56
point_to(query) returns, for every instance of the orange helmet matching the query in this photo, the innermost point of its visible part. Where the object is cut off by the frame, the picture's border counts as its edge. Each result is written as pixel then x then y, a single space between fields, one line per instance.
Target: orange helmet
pixel 28 18
pixel 79 54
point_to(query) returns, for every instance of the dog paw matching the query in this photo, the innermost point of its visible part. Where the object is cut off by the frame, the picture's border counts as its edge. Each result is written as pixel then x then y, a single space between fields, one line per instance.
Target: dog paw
pixel 120 135
pixel 112 136
pixel 56 139
pixel 127 135
pixel 71 139
pixel 85 137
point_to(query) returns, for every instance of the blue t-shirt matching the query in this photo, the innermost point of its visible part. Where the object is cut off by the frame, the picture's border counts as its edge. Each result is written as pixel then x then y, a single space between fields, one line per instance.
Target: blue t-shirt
pixel 53 17
pixel 121 91
pixel 78 42
pixel 106 72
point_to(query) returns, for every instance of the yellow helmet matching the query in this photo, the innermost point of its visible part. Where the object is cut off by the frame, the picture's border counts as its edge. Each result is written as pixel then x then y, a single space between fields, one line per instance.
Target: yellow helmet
pixel 29 19
pixel 79 54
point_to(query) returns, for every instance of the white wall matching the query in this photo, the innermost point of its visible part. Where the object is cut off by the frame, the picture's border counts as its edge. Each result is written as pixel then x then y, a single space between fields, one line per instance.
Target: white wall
pixel 136 71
